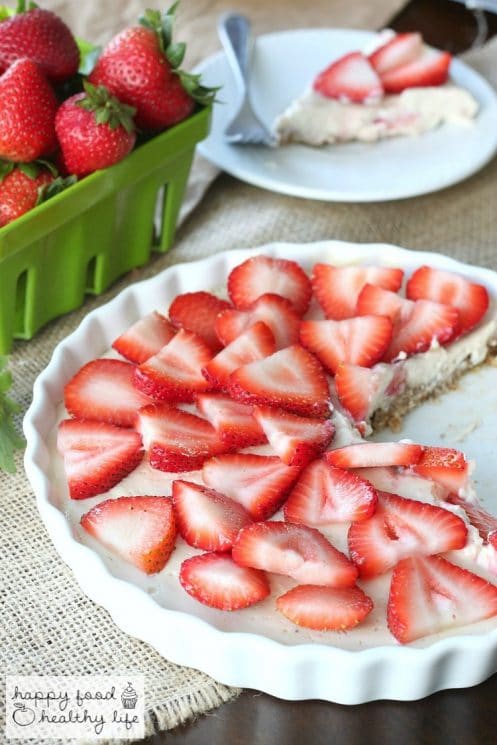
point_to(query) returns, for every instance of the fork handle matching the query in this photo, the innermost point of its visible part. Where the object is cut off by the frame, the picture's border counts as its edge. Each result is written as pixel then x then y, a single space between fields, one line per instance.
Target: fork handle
pixel 234 32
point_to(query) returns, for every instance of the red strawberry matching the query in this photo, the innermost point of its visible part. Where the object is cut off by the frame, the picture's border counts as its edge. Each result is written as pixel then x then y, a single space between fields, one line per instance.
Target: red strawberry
pixel 254 344
pixel 446 466
pixel 483 521
pixel 295 439
pixel 430 594
pixel 325 608
pixel 176 440
pixel 359 341
pixel 291 378
pixel 206 518
pixel 234 422
pixel 215 580
pixel 94 130
pixel 140 530
pixel 401 527
pixel 396 52
pixel 260 483
pixel 103 389
pixel 337 287
pixel 429 68
pixel 97 456
pixel 377 301
pixel 373 454
pixel 144 338
pixel 277 313
pixel 174 373
pixel 356 388
pixel 262 274
pixel 296 551
pixel 20 191
pixel 470 299
pixel 197 312
pixel 325 495
pixel 27 114
pixel 350 78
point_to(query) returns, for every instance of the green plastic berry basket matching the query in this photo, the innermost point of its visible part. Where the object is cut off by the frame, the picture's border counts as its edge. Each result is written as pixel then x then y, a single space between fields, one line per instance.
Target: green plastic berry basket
pixel 84 238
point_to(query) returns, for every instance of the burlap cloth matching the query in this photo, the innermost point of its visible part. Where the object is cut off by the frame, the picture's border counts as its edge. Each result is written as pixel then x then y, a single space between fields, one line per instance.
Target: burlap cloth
pixel 47 626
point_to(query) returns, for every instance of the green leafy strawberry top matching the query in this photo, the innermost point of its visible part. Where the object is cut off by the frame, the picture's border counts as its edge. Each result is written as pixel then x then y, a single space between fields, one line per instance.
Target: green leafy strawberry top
pixel 10 440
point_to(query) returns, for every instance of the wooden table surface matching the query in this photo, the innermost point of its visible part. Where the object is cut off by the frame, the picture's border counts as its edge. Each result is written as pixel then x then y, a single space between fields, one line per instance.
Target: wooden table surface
pixel 456 717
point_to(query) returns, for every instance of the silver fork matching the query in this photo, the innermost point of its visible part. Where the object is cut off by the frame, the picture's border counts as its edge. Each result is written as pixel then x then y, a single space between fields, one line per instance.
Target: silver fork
pixel 245 128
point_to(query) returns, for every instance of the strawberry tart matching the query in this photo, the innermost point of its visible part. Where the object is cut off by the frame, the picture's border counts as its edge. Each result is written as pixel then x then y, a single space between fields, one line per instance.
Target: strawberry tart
pixel 217 456
pixel 401 87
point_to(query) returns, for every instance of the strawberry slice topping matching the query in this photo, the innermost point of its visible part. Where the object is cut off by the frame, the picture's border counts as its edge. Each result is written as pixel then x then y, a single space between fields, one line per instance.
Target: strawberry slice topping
pixel 234 422
pixel 140 530
pixel 402 527
pixel 350 78
pixel 144 338
pixel 429 68
pixel 296 551
pixel 324 495
pixel 259 482
pixel 197 312
pixel 373 454
pixel 446 466
pixel 359 341
pixel 337 288
pixel 295 439
pixel 292 379
pixel 470 299
pixel 176 440
pixel 356 388
pixel 103 390
pixel 262 274
pixel 483 521
pixel 325 608
pixel 174 373
pixel 215 580
pixel 430 594
pixel 398 51
pixel 254 344
pixel 206 518
pixel 97 455
pixel 277 313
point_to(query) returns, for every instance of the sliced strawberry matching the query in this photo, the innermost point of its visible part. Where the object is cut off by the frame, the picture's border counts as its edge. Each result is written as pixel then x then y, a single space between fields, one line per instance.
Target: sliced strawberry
pixel 215 580
pixel 359 341
pixel 373 454
pixel 97 456
pixel 377 301
pixel 234 422
pixel 401 527
pixel 337 287
pixel 277 313
pixel 296 551
pixel 295 439
pixel 176 440
pixel 260 483
pixel 430 594
pixel 144 338
pixel 262 274
pixel 350 78
pixel 429 68
pixel 446 466
pixel 174 373
pixel 291 378
pixel 325 608
pixel 483 521
pixel 325 495
pixel 427 323
pixel 356 388
pixel 103 390
pixel 398 51
pixel 254 344
pixel 197 312
pixel 206 518
pixel 140 530
pixel 470 299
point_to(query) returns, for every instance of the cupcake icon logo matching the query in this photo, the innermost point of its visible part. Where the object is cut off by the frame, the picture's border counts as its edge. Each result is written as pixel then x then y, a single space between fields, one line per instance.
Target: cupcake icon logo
pixel 129 697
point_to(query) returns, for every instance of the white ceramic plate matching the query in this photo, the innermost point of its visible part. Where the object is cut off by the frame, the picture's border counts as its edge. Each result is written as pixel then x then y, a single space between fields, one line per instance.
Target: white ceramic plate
pixel 189 633
pixel 283 64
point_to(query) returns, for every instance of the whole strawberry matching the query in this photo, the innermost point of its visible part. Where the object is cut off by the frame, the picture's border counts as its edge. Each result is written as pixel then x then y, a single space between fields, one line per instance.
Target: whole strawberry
pixel 20 189
pixel 27 113
pixel 42 37
pixel 94 130
pixel 140 67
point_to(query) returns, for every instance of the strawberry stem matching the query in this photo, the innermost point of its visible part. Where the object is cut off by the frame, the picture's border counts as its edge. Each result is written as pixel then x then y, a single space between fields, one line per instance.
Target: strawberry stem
pixel 23 7
pixel 58 185
pixel 107 108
